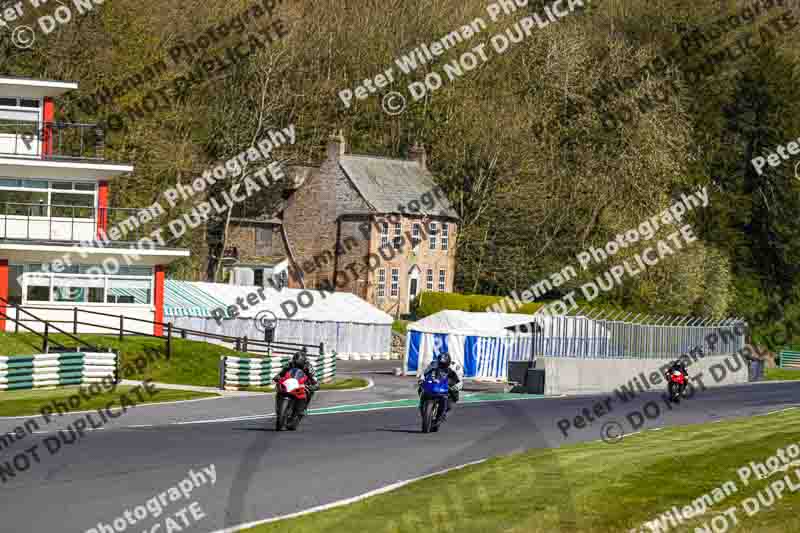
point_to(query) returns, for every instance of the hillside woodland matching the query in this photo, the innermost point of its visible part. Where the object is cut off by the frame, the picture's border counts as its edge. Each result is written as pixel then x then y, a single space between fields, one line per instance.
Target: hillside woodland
pixel 539 156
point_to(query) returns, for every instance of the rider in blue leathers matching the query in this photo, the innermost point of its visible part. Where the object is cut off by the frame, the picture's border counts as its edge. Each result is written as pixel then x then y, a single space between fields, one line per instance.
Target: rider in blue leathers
pixel 454 382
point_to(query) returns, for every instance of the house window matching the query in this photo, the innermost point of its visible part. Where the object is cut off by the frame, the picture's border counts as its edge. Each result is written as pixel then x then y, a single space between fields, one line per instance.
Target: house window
pixel 432 237
pixel 429 279
pixel 415 238
pixel 445 236
pixel 395 282
pixel 258 277
pixel 263 242
pixel 398 238
pixel 41 198
pixel 382 282
pixel 88 284
pixel 384 234
pixel 442 277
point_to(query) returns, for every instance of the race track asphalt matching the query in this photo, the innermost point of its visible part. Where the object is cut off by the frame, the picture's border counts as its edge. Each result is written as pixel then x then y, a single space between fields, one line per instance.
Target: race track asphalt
pixel 262 474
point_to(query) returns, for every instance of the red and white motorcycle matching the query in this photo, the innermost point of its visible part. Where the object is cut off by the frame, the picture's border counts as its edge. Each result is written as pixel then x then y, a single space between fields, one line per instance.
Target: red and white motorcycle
pixel 290 399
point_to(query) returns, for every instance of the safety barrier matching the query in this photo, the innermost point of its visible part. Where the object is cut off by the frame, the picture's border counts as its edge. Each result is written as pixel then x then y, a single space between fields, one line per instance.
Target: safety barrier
pixel 56 370
pixel 790 359
pixel 241 372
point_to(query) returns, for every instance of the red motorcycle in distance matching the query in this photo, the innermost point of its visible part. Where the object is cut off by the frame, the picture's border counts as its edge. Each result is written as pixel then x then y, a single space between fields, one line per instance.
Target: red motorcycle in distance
pixel 676 384
pixel 290 399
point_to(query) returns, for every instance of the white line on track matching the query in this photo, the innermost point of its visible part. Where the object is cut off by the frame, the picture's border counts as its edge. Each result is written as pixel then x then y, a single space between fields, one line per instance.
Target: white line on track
pixel 778 411
pixel 348 501
pixel 137 406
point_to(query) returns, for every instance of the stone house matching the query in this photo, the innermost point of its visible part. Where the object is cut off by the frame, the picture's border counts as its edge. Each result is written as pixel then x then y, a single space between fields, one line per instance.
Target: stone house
pixel 374 226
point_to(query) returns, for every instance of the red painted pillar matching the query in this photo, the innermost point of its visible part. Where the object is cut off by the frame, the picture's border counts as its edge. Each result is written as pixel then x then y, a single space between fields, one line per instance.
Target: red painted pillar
pixel 48 117
pixel 102 209
pixel 158 300
pixel 3 293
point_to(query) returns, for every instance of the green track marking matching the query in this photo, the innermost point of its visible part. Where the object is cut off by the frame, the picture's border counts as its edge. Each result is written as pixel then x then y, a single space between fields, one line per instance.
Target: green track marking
pixel 398 404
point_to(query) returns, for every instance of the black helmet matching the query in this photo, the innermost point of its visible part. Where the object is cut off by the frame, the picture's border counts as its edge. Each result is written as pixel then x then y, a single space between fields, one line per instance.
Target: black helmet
pixel 299 359
pixel 444 360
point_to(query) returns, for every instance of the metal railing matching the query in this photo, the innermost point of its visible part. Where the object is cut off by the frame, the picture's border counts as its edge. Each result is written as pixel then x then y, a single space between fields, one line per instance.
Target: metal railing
pixel 119 329
pixel 52 140
pixel 47 343
pixel 602 334
pixel 72 222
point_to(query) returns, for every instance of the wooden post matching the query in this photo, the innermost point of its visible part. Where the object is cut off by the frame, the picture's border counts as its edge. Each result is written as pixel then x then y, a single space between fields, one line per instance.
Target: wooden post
pixel 169 340
pixel 74 320
pixel 222 361
pixel 238 344
pixel 121 324
pixel 244 345
pixel 183 334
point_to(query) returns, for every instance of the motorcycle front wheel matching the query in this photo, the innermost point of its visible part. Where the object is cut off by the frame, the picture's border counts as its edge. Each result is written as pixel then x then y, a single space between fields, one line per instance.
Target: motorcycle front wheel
pixel 428 415
pixel 282 411
pixel 674 392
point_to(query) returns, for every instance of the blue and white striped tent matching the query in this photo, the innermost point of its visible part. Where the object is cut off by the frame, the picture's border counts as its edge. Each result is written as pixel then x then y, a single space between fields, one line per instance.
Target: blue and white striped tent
pixel 480 344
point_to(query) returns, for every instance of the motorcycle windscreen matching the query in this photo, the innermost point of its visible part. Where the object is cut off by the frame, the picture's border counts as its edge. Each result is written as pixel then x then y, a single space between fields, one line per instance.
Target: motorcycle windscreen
pixel 297 374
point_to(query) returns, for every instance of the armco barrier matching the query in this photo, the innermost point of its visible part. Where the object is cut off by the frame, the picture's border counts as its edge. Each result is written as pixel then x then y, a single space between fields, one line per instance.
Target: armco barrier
pixel 56 369
pixel 790 359
pixel 241 372
pixel 566 375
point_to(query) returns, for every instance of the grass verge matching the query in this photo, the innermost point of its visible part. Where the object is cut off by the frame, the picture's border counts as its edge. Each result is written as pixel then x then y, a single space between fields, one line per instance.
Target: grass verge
pixel 592 487
pixel 191 363
pixel 781 374
pixel 29 402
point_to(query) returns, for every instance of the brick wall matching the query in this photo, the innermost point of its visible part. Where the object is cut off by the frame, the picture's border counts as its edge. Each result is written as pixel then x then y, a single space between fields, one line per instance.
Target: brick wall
pixel 310 222
pixel 242 235
pixel 403 260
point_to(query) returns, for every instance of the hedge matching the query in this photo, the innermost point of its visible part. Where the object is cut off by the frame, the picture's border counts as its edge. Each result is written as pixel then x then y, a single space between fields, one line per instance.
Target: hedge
pixel 429 303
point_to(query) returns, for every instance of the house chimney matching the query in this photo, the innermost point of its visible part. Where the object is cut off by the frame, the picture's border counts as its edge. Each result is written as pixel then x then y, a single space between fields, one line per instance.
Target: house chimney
pixel 336 146
pixel 417 153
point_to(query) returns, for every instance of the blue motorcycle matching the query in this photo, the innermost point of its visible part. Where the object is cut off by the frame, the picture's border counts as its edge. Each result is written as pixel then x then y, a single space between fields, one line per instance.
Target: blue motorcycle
pixel 434 389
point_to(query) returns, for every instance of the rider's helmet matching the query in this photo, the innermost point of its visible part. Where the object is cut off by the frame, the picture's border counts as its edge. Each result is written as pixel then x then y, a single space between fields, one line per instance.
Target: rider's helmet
pixel 444 360
pixel 299 359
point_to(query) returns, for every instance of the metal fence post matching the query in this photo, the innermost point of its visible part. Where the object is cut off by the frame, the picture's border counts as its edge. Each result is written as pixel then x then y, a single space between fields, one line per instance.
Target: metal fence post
pixel 46 340
pixel 169 340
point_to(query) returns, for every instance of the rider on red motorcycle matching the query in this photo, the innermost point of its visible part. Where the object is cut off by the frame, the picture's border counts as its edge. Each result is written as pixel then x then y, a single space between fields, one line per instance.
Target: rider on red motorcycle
pixel 680 366
pixel 300 360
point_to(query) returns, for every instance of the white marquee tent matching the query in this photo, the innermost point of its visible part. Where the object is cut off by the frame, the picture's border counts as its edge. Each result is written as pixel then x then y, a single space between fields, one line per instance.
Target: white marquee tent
pixel 344 322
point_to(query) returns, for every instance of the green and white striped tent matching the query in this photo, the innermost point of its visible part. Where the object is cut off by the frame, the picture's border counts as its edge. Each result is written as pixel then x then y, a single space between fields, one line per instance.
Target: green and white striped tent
pixel 181 299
